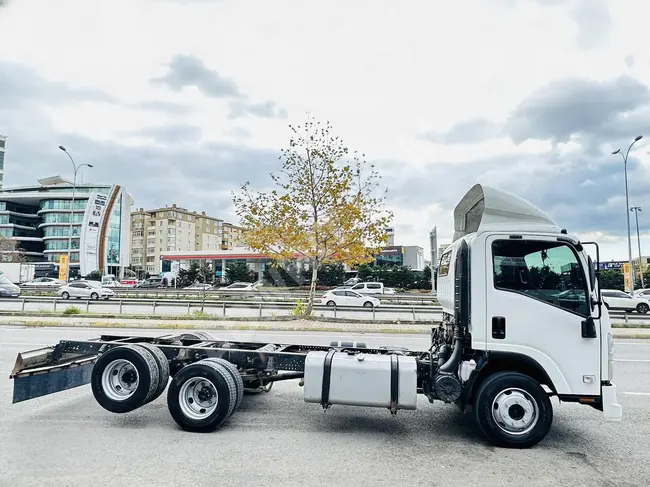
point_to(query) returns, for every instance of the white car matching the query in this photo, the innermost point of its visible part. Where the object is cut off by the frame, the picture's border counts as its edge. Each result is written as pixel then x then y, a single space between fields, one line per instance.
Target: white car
pixel 199 287
pixel 642 293
pixel 44 283
pixel 617 300
pixel 240 286
pixel 85 289
pixel 345 297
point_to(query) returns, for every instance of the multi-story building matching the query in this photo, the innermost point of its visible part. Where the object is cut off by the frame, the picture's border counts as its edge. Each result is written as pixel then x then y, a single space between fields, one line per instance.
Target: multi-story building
pixel 176 229
pixel 43 220
pixel 3 142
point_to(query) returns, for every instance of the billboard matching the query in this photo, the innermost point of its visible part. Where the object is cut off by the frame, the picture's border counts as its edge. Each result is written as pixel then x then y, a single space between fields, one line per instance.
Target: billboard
pixel 90 233
pixel 390 256
pixel 63 267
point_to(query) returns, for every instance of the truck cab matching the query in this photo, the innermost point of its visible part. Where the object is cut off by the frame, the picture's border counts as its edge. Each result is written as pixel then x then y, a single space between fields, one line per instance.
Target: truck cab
pixel 527 294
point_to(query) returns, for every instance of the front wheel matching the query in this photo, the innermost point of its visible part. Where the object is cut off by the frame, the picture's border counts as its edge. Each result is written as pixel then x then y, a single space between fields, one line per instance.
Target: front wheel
pixel 513 410
pixel 642 308
pixel 94 296
pixel 65 295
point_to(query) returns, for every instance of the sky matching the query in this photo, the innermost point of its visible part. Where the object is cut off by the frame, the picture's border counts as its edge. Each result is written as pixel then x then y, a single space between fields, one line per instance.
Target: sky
pixel 182 101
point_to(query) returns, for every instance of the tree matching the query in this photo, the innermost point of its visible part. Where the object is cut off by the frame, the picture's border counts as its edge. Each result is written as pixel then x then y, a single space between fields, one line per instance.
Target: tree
pixel 325 208
pixel 239 272
pixel 94 276
pixel 9 251
pixel 611 279
pixel 331 274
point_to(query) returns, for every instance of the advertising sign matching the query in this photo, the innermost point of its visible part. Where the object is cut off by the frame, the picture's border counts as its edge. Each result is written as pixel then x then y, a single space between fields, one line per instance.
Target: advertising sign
pixel 626 277
pixel 90 229
pixel 63 267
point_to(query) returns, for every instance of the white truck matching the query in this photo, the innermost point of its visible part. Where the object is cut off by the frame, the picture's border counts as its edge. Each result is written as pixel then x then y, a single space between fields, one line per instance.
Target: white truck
pixel 17 272
pixel 522 322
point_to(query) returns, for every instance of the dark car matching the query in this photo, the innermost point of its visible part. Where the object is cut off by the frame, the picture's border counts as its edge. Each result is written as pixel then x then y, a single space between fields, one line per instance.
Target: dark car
pixel 8 289
pixel 153 282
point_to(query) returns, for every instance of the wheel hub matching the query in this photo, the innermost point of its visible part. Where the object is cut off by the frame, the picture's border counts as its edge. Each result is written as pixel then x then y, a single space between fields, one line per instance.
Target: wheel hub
pixel 515 411
pixel 198 399
pixel 120 380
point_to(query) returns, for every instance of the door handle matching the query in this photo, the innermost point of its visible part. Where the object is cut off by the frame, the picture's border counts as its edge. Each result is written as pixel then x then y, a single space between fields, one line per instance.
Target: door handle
pixel 498 327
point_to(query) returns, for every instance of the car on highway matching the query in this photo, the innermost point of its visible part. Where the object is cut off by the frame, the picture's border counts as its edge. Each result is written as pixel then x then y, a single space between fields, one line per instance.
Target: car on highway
pixel 152 283
pixel 8 289
pixel 345 297
pixel 43 283
pixel 241 286
pixel 199 287
pixel 617 300
pixel 642 293
pixel 85 289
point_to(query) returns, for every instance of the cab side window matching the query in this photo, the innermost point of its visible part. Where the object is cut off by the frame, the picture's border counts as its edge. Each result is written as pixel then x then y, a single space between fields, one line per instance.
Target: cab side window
pixel 543 270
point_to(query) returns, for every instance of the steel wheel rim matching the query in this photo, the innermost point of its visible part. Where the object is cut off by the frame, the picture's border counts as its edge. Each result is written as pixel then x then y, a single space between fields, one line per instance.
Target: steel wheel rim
pixel 120 380
pixel 198 398
pixel 515 411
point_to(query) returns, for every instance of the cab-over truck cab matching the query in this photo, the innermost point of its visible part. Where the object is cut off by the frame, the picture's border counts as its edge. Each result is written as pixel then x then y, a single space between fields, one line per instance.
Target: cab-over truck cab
pixel 526 293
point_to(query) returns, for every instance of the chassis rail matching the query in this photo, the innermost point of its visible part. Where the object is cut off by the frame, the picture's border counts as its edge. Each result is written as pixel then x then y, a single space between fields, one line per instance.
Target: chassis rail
pixel 69 364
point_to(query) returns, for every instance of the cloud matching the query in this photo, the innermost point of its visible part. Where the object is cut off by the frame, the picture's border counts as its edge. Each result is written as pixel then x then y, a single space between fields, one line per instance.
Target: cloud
pixel 188 70
pixel 162 106
pixel 170 134
pixel 20 85
pixel 629 61
pixel 569 107
pixel 468 132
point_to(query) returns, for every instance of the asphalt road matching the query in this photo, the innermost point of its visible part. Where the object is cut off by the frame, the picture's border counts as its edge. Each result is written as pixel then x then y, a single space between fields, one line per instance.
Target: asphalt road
pixel 276 439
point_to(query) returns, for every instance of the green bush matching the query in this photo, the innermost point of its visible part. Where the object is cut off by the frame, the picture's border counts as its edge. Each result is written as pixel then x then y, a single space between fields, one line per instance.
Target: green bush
pixel 72 310
pixel 199 313
pixel 299 308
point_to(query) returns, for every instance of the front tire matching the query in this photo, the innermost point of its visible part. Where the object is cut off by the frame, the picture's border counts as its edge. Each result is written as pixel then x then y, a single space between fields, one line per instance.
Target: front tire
pixel 94 296
pixel 513 410
pixel 65 295
pixel 642 308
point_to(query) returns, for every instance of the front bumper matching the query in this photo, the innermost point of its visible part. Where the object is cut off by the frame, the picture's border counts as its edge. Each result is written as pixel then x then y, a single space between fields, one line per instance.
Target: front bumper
pixel 612 410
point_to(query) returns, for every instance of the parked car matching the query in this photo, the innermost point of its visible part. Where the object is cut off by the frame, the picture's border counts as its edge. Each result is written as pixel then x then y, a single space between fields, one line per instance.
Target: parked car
pixel 349 298
pixel 85 289
pixel 8 289
pixel 44 283
pixel 615 299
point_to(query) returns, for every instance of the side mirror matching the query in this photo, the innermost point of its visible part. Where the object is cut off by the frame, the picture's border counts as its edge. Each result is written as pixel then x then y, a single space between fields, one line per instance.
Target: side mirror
pixel 588 328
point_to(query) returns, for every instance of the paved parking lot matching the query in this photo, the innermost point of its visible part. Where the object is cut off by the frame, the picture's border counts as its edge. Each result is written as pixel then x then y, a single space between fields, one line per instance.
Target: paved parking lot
pixel 276 439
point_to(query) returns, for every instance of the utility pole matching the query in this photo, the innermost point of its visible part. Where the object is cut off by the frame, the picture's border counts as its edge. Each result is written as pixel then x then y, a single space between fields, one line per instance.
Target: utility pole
pixel 433 242
pixel 627 213
pixel 636 210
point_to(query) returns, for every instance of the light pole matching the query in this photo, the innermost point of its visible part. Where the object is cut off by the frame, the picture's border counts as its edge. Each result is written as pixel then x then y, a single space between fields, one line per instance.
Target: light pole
pixel 627 213
pixel 636 210
pixel 74 188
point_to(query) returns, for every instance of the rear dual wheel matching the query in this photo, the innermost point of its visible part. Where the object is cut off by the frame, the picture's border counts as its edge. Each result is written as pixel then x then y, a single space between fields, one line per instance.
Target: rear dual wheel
pixel 203 395
pixel 129 376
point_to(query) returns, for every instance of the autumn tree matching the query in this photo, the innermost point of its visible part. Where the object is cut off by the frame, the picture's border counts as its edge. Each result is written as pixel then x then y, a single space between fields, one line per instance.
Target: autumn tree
pixel 326 206
pixel 9 251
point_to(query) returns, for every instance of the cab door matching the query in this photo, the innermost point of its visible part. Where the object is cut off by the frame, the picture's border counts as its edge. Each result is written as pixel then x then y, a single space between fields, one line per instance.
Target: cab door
pixel 537 300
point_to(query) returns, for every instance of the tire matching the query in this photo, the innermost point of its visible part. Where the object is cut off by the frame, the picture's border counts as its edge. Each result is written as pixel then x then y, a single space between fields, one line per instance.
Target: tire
pixel 189 414
pixel 109 387
pixel 65 295
pixel 234 372
pixel 331 303
pixel 368 304
pixel 642 308
pixel 94 296
pixel 526 398
pixel 163 368
pixel 197 335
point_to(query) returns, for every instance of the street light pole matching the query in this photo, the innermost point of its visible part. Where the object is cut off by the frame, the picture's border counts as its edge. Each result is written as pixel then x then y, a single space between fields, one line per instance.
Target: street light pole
pixel 636 210
pixel 627 213
pixel 74 188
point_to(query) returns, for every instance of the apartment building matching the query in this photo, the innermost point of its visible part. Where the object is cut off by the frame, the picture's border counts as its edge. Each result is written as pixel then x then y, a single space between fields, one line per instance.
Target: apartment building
pixel 175 229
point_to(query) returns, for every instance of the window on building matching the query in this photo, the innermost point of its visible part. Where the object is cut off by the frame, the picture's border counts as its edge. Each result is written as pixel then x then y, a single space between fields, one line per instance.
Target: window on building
pixel 544 270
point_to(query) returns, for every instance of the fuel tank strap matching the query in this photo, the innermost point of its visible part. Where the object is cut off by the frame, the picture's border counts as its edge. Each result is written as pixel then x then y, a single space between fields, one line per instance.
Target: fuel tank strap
pixel 394 382
pixel 327 375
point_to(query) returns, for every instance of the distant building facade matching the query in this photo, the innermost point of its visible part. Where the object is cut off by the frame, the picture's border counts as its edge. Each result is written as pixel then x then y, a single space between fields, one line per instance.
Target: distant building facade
pixel 175 229
pixel 3 148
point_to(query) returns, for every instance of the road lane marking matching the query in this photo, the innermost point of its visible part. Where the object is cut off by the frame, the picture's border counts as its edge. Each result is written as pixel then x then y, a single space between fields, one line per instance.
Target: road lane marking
pixel 637 393
pixel 631 360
